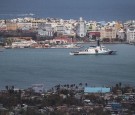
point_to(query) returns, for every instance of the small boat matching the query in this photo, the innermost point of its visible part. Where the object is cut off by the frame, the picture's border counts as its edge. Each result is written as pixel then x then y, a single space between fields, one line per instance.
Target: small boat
pixel 94 50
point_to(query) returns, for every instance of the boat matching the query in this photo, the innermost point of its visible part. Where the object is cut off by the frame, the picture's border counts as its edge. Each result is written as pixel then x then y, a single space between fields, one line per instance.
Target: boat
pixel 94 50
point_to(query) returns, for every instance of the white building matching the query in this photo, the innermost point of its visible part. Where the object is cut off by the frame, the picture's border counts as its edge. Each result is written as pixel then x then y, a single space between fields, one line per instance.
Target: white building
pixel 60 29
pixel 24 25
pixel 38 88
pixel 109 33
pixel 130 35
pixel 45 30
pixel 81 28
pixel 2 25
pixel 23 43
pixel 44 33
pixel 121 34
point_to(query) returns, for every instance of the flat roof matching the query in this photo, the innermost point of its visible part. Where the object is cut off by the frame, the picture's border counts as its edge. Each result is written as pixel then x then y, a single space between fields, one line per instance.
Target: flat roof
pixel 96 90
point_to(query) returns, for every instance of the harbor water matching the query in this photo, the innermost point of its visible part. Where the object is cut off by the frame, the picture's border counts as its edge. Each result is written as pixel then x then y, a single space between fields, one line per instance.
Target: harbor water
pixel 99 10
pixel 24 67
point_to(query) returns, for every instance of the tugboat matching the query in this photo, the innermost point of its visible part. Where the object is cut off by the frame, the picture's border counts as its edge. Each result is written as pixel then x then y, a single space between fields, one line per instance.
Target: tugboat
pixel 94 50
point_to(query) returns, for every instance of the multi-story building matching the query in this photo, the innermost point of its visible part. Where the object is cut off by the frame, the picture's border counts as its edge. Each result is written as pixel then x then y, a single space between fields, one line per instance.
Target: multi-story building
pixel 131 35
pixel 36 22
pixel 121 35
pixel 93 35
pixel 3 25
pixel 24 25
pixel 109 33
pixel 60 29
pixel 81 28
pixel 11 26
pixel 45 30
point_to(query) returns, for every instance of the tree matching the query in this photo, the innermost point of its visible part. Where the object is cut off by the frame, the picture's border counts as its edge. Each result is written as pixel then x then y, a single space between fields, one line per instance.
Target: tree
pixel 120 84
pixel 86 84
pixel 80 84
pixel 6 87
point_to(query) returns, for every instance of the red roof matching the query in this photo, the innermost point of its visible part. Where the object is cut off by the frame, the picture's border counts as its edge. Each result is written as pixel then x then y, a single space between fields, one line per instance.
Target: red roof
pixel 95 33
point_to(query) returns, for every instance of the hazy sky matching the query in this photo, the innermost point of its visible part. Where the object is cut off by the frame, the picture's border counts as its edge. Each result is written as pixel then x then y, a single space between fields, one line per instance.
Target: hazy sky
pixel 71 8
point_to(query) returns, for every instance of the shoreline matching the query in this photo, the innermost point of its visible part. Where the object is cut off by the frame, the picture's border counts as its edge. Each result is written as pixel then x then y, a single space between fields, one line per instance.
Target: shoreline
pixel 94 42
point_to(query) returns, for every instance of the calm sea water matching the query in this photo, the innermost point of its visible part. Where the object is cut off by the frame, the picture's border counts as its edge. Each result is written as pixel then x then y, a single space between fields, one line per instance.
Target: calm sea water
pixel 88 9
pixel 24 67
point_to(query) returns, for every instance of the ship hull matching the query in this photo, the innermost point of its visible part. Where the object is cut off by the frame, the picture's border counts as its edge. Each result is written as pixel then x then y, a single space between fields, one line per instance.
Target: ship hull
pixel 88 53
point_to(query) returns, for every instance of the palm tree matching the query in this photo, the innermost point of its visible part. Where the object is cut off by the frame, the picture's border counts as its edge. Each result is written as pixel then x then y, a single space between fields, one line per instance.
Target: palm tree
pixel 76 87
pixel 120 84
pixel 80 84
pixel 117 86
pixel 12 87
pixel 86 84
pixel 6 87
pixel 71 85
pixel 67 85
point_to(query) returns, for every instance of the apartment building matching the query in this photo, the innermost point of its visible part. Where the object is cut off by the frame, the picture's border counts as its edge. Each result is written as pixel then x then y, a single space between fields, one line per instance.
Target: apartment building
pixel 131 35
pixel 81 28
pixel 45 30
pixel 109 33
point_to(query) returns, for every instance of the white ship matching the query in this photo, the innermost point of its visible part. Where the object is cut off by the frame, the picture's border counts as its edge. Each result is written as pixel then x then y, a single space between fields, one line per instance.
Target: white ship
pixel 94 50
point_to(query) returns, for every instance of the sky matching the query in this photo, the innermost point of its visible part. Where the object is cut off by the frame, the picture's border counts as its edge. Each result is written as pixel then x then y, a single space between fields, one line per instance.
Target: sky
pixel 89 9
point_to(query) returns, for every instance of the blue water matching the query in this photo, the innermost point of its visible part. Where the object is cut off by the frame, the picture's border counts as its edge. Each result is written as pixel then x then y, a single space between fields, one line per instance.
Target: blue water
pixel 88 9
pixel 24 67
